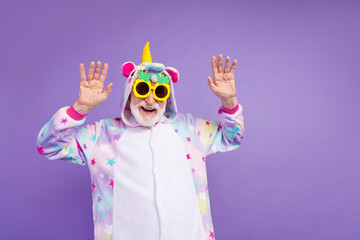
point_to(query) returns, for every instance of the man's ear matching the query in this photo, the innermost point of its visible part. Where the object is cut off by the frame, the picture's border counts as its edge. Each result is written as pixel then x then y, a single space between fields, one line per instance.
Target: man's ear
pixel 173 73
pixel 127 68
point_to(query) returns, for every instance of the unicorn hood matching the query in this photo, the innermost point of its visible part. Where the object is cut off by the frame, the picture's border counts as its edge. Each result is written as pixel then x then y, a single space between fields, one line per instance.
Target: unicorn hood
pixel 131 72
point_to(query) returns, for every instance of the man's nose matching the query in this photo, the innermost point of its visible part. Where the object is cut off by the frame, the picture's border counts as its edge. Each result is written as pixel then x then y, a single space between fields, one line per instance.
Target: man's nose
pixel 150 100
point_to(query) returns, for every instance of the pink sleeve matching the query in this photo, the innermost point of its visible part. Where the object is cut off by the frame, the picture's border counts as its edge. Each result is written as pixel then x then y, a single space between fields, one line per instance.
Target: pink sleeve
pixel 231 110
pixel 74 114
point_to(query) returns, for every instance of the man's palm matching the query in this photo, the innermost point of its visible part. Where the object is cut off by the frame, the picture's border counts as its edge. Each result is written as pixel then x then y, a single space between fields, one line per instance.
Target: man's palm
pixel 91 92
pixel 224 81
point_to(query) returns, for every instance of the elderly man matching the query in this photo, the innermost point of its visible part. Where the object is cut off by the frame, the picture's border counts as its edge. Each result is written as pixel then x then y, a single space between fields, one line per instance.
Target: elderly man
pixel 147 167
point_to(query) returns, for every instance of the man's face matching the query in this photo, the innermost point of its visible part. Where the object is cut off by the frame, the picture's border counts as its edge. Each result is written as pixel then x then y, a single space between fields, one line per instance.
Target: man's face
pixel 147 111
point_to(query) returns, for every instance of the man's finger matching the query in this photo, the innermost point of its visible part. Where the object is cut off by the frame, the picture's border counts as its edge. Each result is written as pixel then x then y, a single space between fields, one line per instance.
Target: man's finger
pixel 97 70
pixel 220 63
pixel 233 66
pixel 213 65
pixel 104 73
pixel 108 88
pixel 211 83
pixel 227 64
pixel 91 71
pixel 82 72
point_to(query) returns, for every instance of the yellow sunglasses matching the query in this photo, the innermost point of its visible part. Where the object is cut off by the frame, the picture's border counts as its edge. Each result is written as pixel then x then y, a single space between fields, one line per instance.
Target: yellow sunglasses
pixel 161 91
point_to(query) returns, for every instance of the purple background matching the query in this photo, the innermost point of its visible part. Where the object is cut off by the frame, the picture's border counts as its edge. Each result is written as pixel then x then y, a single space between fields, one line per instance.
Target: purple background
pixel 296 176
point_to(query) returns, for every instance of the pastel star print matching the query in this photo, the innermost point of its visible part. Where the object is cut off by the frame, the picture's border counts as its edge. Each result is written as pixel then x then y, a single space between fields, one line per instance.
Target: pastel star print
pixel 93 162
pixel 71 150
pixel 93 186
pixel 40 150
pixel 111 161
pixel 212 235
pixel 56 147
pixel 116 137
pixel 64 120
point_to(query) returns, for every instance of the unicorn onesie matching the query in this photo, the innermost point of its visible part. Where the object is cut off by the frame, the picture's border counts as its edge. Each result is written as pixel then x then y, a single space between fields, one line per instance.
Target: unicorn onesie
pixel 146 182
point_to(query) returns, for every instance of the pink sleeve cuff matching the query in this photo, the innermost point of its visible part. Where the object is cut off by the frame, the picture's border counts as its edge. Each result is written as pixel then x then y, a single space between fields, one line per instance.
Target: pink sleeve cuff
pixel 231 110
pixel 74 114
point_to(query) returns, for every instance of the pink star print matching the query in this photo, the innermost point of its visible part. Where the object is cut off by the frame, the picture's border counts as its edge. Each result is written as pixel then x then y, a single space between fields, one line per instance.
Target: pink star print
pixel 40 150
pixel 219 127
pixel 63 120
pixel 212 235
pixel 207 123
pixel 79 148
pixel 84 146
pixel 116 137
pixel 203 158
pixel 111 183
pixel 93 162
pixel 188 156
pixel 188 139
pixel 93 186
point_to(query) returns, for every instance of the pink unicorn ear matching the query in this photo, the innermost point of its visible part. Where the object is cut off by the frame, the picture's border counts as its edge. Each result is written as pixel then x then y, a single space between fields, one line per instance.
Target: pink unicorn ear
pixel 173 73
pixel 127 68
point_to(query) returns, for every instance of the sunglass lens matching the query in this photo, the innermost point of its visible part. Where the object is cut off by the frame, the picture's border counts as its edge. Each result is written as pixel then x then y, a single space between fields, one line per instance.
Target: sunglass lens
pixel 142 88
pixel 161 91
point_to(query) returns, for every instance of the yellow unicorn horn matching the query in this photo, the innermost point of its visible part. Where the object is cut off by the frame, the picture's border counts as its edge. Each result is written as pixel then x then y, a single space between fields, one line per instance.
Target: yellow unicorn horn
pixel 146 55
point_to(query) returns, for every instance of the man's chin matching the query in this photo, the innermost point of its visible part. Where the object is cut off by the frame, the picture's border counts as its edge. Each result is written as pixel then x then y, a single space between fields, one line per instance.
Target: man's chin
pixel 145 117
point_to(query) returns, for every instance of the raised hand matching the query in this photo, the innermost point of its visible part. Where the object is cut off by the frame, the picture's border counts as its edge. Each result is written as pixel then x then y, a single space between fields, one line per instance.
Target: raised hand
pixel 91 92
pixel 223 85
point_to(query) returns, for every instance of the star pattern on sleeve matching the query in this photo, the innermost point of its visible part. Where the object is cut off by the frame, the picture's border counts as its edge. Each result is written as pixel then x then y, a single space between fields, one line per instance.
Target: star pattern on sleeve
pixel 111 183
pixel 188 139
pixel 93 186
pixel 93 137
pixel 40 150
pixel 212 235
pixel 111 161
pixel 93 162
pixel 188 156
pixel 71 150
pixel 64 120
pixel 57 147
pixel 116 137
